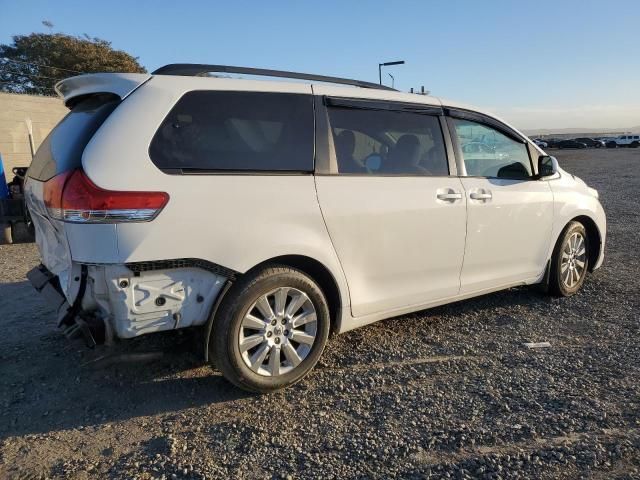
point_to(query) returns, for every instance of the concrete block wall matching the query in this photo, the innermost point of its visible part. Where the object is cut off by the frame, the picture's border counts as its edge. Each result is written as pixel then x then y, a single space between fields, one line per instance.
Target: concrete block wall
pixel 15 111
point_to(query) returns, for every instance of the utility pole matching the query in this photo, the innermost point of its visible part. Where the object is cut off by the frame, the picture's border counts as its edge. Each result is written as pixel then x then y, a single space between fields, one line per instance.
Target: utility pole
pixel 387 64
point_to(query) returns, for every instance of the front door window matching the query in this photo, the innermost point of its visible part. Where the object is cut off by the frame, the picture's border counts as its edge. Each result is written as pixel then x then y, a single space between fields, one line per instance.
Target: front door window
pixel 488 153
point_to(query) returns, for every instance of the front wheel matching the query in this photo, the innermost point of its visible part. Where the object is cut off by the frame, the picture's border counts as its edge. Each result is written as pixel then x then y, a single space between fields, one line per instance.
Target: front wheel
pixel 270 330
pixel 570 261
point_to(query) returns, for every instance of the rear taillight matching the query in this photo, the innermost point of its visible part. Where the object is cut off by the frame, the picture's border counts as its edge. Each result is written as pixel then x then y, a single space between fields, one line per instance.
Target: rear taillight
pixel 72 197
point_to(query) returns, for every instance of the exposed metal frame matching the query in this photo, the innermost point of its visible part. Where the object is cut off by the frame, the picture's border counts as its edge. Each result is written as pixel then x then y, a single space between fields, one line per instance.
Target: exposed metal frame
pixel 194 69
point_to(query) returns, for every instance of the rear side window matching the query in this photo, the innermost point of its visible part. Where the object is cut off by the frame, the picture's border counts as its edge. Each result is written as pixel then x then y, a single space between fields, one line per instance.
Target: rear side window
pixel 236 131
pixel 387 142
pixel 62 150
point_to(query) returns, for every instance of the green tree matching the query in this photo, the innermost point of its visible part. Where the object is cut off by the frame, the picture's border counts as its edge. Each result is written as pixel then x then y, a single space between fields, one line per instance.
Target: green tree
pixel 35 63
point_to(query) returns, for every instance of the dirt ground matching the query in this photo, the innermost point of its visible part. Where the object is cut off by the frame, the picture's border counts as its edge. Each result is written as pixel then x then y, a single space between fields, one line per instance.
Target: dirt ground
pixel 445 393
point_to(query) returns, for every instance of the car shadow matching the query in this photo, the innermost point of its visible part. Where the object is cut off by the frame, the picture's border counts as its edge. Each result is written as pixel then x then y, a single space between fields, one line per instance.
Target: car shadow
pixel 529 295
pixel 109 388
pixel 48 382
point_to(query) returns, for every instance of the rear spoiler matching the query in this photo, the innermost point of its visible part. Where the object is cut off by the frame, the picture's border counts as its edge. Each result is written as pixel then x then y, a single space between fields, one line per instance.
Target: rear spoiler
pixel 120 84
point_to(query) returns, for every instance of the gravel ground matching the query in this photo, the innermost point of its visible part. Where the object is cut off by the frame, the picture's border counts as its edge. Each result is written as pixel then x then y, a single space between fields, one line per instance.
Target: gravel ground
pixel 445 393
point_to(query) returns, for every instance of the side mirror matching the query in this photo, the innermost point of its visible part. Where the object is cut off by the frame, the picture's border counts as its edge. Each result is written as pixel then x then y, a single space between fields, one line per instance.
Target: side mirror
pixel 547 166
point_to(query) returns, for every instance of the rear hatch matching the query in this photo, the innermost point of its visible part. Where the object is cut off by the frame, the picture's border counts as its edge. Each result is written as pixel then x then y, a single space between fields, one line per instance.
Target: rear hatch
pixel 91 99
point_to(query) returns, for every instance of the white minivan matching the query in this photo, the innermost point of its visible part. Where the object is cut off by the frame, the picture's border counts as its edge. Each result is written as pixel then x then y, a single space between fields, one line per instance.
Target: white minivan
pixel 274 213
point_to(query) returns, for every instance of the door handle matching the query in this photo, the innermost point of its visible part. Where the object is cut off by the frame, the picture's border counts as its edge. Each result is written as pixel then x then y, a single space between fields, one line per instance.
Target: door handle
pixel 480 195
pixel 450 196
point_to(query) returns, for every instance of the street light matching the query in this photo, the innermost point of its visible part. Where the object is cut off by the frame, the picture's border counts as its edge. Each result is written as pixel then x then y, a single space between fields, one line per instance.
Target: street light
pixel 386 64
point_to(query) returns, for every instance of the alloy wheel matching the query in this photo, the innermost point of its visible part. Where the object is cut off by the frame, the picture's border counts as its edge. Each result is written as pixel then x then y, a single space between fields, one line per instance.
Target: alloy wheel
pixel 278 331
pixel 573 262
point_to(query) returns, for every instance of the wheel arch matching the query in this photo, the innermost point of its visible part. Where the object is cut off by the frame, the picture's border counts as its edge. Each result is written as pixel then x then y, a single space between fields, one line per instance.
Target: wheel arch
pixel 593 236
pixel 320 274
pixel 308 265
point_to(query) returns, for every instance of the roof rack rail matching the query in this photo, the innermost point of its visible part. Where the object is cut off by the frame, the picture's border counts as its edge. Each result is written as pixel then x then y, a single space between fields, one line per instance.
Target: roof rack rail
pixel 193 69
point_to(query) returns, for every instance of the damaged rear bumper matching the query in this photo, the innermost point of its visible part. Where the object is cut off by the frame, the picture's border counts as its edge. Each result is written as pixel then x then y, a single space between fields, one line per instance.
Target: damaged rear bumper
pixel 48 285
pixel 102 302
pixel 74 321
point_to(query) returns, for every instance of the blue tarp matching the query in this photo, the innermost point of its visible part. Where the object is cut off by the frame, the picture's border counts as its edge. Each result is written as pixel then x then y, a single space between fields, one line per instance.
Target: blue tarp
pixel 4 189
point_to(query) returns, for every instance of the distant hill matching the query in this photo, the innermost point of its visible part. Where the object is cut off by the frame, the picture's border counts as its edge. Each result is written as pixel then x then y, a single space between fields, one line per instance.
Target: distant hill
pixel 586 132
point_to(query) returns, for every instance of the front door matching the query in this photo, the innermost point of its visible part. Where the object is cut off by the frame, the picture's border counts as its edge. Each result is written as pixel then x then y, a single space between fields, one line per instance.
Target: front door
pixel 509 212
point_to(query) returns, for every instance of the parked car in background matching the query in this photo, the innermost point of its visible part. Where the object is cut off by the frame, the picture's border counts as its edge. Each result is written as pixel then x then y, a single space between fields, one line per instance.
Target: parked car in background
pixel 590 142
pixel 632 141
pixel 15 222
pixel 478 149
pixel 571 144
pixel 171 200
pixel 541 143
pixel 552 142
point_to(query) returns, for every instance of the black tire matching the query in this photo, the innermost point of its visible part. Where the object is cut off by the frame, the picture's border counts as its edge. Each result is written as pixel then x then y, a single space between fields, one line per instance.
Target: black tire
pixel 6 238
pixel 634 145
pixel 225 335
pixel 558 286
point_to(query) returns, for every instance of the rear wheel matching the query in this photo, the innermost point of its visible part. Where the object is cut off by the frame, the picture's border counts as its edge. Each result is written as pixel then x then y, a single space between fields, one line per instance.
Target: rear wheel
pixel 270 330
pixel 634 144
pixel 570 261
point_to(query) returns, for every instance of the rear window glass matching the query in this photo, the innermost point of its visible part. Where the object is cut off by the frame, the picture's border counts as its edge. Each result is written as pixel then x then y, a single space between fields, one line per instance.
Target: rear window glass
pixel 62 149
pixel 236 131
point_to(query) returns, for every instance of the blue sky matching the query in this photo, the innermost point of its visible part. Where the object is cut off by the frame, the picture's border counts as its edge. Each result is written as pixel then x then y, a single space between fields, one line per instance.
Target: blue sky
pixel 538 64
